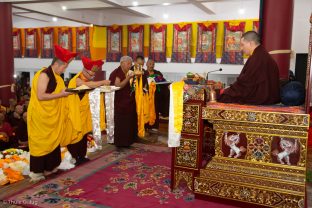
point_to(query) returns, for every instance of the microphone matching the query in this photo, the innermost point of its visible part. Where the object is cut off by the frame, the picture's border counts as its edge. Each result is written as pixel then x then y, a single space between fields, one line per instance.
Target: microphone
pixel 212 71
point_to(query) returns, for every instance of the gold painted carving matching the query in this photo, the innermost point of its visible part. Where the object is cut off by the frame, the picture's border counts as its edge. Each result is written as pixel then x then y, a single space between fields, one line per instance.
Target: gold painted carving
pixel 283 172
pixel 275 118
pixel 191 119
pixel 247 194
pixel 186 153
pixel 180 175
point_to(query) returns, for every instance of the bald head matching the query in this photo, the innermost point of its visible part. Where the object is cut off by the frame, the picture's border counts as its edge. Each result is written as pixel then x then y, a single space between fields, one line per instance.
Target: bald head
pixel 251 36
pixel 249 42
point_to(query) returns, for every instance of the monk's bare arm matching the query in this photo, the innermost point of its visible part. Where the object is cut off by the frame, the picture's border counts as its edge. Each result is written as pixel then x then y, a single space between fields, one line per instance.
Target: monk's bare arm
pixel 92 84
pixel 43 81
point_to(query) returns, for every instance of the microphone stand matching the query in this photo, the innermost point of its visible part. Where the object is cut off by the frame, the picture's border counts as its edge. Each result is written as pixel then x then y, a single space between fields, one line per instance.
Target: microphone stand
pixel 212 92
pixel 211 72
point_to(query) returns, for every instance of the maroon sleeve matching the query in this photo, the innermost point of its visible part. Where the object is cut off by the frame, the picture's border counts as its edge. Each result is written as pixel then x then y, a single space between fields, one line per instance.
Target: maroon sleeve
pixel 112 77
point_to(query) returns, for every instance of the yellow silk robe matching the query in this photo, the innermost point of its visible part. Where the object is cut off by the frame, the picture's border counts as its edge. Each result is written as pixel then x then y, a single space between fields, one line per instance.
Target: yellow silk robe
pixel 79 117
pixel 45 119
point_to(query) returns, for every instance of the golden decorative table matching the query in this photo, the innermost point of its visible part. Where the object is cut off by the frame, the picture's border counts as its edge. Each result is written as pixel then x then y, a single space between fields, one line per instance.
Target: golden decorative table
pixel 260 155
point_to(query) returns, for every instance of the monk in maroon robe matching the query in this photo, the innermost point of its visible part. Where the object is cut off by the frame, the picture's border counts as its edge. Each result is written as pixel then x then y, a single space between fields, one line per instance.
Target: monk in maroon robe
pixel 258 82
pixel 125 108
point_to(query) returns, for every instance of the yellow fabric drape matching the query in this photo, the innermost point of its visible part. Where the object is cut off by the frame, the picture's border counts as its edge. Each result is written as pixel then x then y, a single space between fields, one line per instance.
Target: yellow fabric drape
pixel 124 39
pixel 140 106
pixel 194 39
pixel 79 116
pixel 74 39
pixel 55 35
pixel 46 119
pixel 151 101
pixel 98 42
pixel 219 41
pixel 146 108
pixel 99 37
pixel 146 35
pixel 102 113
pixel 38 41
pixel 74 123
pixel 169 40
pixel 177 89
pixel 23 42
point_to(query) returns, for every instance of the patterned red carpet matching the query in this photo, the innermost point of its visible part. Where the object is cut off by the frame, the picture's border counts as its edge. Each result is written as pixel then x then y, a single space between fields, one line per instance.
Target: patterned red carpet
pixel 138 177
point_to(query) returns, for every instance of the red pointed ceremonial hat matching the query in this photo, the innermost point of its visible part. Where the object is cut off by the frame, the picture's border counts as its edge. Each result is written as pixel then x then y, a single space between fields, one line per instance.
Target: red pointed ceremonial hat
pixel 63 54
pixel 88 64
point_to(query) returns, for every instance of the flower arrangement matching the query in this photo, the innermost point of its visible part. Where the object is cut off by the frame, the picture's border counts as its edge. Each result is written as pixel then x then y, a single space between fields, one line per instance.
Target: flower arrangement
pixel 14 163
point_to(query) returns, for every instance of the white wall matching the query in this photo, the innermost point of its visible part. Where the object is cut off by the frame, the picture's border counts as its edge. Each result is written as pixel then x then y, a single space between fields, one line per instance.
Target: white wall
pixel 301 29
pixel 174 71
pixel 301 26
pixel 171 71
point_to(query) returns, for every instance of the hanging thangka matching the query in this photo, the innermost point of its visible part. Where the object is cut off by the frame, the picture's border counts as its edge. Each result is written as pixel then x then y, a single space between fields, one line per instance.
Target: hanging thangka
pixel 31 49
pixel 158 43
pixel 232 53
pixel 47 43
pixel 135 40
pixel 206 43
pixel 114 34
pixel 82 40
pixel 255 26
pixel 17 43
pixel 65 38
pixel 181 50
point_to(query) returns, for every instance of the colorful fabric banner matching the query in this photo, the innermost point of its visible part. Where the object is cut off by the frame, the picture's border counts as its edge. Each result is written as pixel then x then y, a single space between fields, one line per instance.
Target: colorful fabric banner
pixel 31 50
pixel 114 47
pixel 158 43
pixel 65 38
pixel 47 35
pixel 17 43
pixel 135 40
pixel 82 42
pixel 183 42
pixel 181 51
pixel 206 43
pixel 231 46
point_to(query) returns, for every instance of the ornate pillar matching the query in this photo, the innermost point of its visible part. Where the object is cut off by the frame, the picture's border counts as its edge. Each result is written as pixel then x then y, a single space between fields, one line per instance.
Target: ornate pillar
pixel 276 20
pixel 6 52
